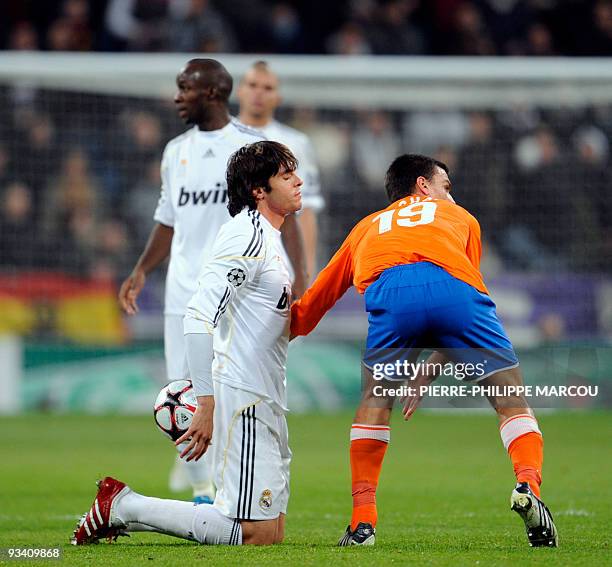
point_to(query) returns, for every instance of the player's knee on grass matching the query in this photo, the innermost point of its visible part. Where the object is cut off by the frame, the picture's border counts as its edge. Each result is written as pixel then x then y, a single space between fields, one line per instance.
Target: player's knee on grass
pixel 280 529
pixel 259 532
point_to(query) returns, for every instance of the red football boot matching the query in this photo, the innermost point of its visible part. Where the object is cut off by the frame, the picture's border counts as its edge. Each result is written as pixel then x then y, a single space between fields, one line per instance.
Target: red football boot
pixel 98 522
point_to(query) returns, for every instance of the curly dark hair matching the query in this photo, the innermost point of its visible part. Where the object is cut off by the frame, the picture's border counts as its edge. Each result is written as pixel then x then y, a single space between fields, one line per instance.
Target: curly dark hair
pixel 251 167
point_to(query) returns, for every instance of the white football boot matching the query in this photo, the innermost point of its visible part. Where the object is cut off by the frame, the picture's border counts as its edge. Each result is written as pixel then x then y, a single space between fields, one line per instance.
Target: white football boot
pixel 541 530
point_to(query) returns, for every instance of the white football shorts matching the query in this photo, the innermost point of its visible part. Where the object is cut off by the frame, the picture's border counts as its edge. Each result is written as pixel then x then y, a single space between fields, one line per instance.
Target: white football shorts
pixel 251 456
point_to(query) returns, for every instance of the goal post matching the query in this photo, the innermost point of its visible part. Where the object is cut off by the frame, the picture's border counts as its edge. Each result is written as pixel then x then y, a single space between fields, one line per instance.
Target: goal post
pixel 392 83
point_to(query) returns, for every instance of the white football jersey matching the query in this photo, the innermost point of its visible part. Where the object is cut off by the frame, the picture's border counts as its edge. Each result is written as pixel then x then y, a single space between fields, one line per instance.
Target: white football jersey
pixel 308 170
pixel 243 299
pixel 194 202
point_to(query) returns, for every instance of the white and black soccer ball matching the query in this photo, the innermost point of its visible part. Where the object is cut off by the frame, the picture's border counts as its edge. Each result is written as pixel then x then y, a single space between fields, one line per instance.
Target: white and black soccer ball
pixel 174 408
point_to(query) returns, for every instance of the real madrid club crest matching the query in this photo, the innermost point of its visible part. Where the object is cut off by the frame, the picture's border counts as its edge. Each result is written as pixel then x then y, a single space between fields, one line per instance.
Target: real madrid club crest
pixel 265 500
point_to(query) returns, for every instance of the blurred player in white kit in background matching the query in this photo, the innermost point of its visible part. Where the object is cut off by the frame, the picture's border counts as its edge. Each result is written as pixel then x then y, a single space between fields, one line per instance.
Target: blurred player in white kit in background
pixel 259 97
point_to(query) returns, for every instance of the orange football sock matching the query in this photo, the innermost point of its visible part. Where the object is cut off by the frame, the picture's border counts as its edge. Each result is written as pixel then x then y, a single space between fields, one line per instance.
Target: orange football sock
pixel 527 455
pixel 523 441
pixel 368 448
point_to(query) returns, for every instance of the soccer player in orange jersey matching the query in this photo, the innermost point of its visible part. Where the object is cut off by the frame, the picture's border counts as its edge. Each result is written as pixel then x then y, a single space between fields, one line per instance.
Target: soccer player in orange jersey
pixel 417 263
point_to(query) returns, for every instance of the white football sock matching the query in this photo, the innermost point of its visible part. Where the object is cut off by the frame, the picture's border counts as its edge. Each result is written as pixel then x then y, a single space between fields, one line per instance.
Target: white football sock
pixel 138 527
pixel 171 517
pixel 202 523
pixel 213 528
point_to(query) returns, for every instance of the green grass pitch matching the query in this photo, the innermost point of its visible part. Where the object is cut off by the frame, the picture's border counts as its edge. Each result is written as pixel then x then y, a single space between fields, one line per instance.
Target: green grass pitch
pixel 443 495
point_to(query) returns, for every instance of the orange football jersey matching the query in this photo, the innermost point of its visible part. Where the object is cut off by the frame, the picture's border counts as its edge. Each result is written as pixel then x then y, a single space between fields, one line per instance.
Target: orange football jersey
pixel 413 229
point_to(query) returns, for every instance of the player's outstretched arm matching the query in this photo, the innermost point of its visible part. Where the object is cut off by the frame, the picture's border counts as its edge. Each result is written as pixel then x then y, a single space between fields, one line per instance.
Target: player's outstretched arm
pixel 156 251
pixel 330 285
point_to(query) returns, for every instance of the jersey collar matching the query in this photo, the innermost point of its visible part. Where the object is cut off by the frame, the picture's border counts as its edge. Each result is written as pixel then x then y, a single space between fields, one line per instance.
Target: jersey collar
pixel 213 134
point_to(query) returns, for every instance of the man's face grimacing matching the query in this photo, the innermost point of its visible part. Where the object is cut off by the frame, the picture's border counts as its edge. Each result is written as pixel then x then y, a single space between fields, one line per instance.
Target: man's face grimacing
pixel 258 93
pixel 439 186
pixel 285 196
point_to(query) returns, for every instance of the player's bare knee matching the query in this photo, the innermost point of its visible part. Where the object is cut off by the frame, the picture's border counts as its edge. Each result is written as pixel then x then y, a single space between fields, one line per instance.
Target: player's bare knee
pixel 258 538
pixel 261 539
pixel 507 405
pixel 508 377
pixel 280 532
pixel 261 532
pixel 280 529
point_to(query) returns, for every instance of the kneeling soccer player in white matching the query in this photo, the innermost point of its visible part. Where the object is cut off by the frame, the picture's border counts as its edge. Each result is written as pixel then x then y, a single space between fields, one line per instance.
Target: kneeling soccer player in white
pixel 241 314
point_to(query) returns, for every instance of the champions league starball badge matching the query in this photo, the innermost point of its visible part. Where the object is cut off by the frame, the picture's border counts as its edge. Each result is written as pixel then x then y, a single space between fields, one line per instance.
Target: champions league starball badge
pixel 236 276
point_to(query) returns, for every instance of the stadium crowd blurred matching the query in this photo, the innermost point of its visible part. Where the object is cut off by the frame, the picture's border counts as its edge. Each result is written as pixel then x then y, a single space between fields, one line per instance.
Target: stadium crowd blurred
pixel 79 177
pixel 347 27
pixel 79 174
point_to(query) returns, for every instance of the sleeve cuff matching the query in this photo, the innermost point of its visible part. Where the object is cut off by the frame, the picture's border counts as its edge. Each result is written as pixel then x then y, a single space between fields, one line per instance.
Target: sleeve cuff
pixel 163 220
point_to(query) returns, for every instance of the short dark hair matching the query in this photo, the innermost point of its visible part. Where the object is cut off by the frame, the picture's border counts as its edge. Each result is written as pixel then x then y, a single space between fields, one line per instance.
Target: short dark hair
pixel 401 177
pixel 261 65
pixel 213 74
pixel 251 167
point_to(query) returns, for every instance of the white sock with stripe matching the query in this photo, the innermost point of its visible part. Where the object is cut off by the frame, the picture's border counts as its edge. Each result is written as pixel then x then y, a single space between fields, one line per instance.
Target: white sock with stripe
pixel 367 431
pixel 202 523
pixel 517 426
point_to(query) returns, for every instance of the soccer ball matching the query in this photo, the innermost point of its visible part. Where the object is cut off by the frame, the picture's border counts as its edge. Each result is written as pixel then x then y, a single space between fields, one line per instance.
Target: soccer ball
pixel 174 408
